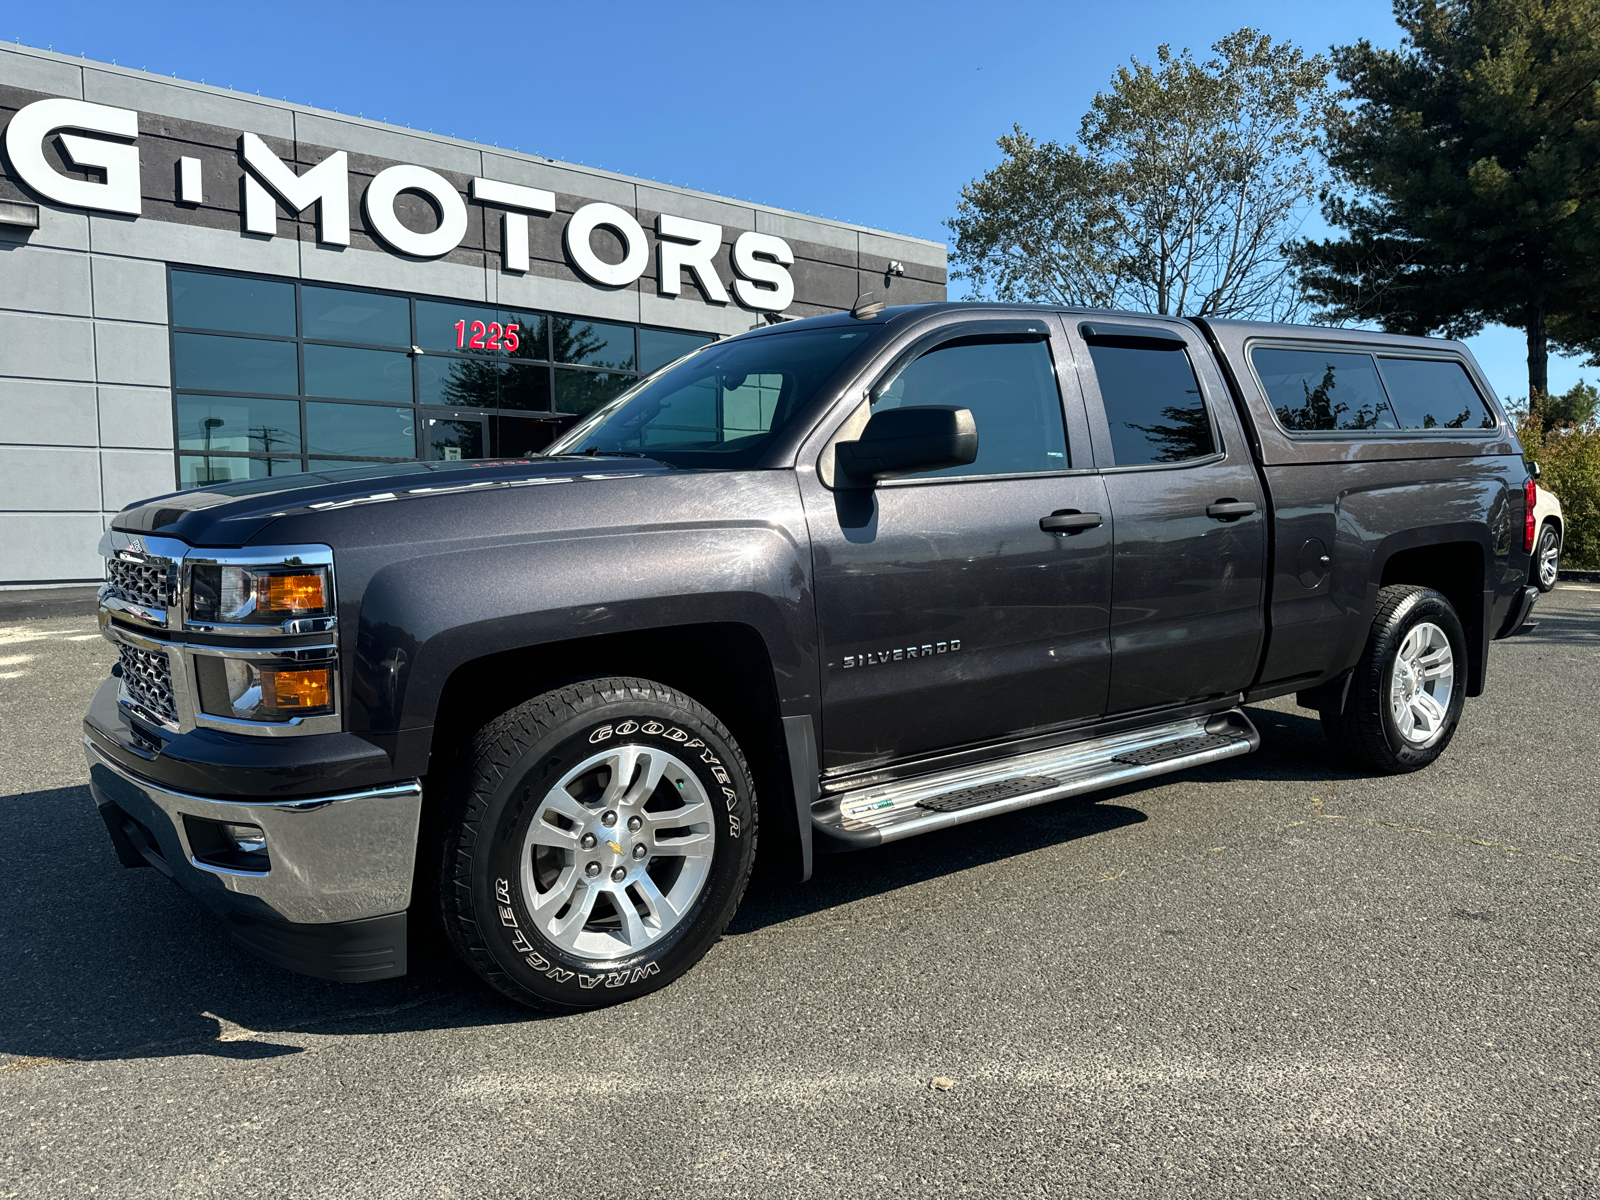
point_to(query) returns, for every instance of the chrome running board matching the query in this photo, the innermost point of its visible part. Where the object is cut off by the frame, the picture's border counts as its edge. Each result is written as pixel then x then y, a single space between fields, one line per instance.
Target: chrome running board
pixel 887 812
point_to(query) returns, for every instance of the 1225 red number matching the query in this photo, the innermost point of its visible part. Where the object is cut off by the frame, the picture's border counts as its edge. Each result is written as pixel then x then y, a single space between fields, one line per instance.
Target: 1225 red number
pixel 493 336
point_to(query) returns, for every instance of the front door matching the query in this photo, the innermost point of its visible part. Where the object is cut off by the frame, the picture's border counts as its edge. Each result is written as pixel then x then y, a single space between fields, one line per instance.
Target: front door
pixel 948 617
pixel 1190 562
pixel 452 434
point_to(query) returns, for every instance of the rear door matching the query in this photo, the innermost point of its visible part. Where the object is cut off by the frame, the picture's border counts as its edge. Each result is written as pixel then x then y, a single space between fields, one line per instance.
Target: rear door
pixel 1190 545
pixel 948 616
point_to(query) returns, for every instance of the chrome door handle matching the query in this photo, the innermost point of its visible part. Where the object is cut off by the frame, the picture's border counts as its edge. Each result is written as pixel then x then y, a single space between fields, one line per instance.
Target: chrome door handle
pixel 1229 510
pixel 1070 521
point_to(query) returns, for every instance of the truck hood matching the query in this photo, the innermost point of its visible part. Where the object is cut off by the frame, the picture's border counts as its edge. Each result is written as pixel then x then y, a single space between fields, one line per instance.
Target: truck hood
pixel 231 514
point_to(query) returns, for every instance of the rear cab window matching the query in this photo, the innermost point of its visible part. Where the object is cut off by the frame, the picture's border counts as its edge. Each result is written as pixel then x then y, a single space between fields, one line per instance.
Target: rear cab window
pixel 1315 391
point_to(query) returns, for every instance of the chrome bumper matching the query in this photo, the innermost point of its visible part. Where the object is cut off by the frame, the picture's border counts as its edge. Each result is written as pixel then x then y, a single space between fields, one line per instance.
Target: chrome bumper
pixel 343 857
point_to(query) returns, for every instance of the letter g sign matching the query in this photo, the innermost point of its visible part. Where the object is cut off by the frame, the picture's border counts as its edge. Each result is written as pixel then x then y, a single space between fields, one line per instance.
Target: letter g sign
pixel 35 122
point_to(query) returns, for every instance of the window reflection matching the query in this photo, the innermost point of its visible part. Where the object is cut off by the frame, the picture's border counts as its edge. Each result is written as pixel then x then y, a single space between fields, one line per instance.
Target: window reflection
pixel 358 374
pixel 658 347
pixel 301 373
pixel 218 423
pixel 234 364
pixel 201 300
pixel 591 343
pixel 364 429
pixel 581 392
pixel 343 315
pixel 197 471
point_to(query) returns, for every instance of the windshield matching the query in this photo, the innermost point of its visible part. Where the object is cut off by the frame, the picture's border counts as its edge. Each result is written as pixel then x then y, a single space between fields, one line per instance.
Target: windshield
pixel 720 406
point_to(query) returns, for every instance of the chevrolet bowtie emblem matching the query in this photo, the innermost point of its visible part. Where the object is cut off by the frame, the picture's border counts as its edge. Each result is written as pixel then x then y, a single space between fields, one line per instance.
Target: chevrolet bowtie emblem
pixel 615 849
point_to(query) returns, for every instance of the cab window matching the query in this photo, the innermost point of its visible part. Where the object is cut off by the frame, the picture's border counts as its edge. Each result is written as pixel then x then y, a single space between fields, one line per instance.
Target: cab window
pixel 1153 404
pixel 1009 385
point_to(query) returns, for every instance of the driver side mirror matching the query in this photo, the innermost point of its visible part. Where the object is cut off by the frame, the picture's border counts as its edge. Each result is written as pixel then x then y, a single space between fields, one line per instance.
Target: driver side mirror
pixel 903 441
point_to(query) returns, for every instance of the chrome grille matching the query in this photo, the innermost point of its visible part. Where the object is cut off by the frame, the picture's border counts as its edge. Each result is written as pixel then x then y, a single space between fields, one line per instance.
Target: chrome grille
pixel 147 678
pixel 140 583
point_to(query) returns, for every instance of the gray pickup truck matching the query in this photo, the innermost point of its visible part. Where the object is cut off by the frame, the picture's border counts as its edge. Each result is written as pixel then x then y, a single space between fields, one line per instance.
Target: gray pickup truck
pixel 844 580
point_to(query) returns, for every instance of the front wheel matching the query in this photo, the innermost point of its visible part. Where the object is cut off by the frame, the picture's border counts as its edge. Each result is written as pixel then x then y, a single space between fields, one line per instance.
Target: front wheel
pixel 1406 694
pixel 597 843
pixel 1547 558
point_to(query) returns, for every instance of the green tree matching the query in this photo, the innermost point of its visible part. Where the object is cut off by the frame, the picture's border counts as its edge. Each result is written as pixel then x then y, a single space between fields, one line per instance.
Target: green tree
pixel 1568 454
pixel 1577 406
pixel 1186 180
pixel 1471 156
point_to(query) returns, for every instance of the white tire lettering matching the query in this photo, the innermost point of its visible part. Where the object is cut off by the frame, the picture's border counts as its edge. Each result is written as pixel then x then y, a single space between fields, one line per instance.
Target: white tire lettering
pixel 652 727
pixel 601 734
pixel 502 891
pixel 626 728
pixel 559 975
pixel 507 917
pixel 588 981
pixel 677 735
pixel 521 944
pixel 538 961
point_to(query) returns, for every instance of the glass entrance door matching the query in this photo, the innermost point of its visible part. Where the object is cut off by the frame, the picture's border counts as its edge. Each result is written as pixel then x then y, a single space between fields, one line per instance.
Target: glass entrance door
pixel 450 435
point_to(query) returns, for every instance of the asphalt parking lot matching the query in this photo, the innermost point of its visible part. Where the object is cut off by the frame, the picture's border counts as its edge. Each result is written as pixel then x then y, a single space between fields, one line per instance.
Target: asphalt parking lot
pixel 1268 977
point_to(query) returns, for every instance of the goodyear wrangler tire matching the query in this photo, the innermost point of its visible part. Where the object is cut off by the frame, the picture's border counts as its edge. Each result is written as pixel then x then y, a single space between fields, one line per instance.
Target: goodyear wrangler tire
pixel 597 843
pixel 1407 692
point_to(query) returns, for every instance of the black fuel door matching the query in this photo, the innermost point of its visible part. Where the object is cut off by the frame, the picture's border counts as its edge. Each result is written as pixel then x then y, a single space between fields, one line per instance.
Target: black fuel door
pixel 1312 565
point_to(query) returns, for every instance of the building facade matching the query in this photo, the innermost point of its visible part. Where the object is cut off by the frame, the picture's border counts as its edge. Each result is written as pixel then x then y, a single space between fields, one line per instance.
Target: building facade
pixel 198 285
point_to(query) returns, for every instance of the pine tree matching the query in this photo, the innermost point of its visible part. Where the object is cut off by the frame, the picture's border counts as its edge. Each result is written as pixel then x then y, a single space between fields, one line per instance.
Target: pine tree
pixel 1473 155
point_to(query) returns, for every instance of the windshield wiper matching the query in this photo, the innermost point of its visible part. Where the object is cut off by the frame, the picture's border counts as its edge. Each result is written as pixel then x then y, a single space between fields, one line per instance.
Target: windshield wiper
pixel 595 452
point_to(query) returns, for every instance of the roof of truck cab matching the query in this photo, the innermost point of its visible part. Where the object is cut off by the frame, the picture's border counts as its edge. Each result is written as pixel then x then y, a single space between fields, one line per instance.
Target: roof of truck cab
pixel 1240 329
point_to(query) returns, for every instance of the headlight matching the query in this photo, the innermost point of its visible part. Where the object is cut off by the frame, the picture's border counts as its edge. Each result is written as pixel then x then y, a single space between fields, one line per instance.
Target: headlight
pixel 246 691
pixel 258 595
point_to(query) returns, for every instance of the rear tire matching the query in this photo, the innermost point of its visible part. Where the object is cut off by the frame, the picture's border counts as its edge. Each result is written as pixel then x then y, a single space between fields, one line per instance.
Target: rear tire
pixel 1547 558
pixel 1406 694
pixel 596 844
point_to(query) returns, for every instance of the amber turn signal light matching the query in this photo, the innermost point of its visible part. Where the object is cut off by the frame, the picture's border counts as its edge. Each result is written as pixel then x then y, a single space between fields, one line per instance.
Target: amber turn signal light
pixel 290 594
pixel 285 691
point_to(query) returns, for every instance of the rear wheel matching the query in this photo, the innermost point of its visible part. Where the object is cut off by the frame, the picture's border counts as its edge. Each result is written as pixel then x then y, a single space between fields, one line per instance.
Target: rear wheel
pixel 1406 695
pixel 597 844
pixel 1547 557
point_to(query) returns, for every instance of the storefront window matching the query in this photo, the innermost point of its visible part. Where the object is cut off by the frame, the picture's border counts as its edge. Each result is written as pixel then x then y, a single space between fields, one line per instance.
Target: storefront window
pixel 201 300
pixel 273 376
pixel 238 425
pixel 197 471
pixel 341 315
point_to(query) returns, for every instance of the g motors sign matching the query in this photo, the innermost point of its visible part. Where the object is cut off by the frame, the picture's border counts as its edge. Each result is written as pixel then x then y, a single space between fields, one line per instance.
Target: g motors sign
pixel 104 140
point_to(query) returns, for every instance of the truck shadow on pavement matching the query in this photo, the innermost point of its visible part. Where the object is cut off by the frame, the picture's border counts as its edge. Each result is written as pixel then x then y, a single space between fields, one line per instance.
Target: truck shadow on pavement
pixel 107 963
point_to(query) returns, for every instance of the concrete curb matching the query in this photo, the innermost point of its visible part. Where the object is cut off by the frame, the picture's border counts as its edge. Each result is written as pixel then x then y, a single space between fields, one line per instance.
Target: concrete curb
pixel 1580 576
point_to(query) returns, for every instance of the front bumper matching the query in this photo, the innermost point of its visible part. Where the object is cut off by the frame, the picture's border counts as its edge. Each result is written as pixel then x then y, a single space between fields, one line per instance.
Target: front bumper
pixel 332 901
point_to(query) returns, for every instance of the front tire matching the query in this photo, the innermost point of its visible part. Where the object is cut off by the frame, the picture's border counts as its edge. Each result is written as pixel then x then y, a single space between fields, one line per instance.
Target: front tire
pixel 1547 558
pixel 1406 694
pixel 597 843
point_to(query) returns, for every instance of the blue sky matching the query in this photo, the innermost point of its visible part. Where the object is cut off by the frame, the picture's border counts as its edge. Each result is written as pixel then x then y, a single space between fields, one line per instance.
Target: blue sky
pixel 870 113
